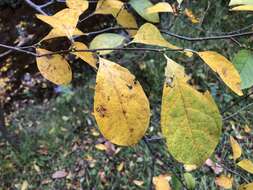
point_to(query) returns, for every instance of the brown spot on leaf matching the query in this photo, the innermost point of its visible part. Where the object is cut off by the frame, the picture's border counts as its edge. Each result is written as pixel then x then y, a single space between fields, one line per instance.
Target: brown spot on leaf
pixel 131 130
pixel 101 110
pixel 130 87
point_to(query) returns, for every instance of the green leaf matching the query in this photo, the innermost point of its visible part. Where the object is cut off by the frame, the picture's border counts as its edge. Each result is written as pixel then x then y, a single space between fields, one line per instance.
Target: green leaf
pixel 190 120
pixel 241 2
pixel 140 7
pixel 189 180
pixel 243 62
pixel 107 40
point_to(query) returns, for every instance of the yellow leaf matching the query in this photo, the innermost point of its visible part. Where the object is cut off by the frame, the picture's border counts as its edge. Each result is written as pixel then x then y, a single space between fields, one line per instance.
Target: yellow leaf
pixel 127 20
pixel 160 7
pixel 140 7
pixel 55 33
pixel 189 119
pixel 246 165
pixel 107 40
pixel 246 187
pixel 120 167
pixel 88 57
pixel 224 181
pixel 224 68
pixel 117 9
pixel 54 67
pixel 161 182
pixel 243 8
pixel 237 151
pixel 121 107
pixel 247 129
pixel 100 147
pixel 241 2
pixel 25 185
pixel 138 182
pixel 150 35
pixel 64 21
pixel 78 5
pixel 189 168
pixel 191 16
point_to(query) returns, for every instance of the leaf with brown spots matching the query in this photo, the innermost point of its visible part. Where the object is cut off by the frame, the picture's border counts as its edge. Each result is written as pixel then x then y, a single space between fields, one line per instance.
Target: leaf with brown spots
pixel 121 107
pixel 54 67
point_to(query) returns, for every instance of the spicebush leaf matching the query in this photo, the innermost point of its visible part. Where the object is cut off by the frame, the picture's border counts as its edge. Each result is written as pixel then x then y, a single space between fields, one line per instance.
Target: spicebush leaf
pixel 107 40
pixel 224 68
pixel 54 67
pixel 248 186
pixel 224 181
pixel 237 151
pixel 150 35
pixel 243 8
pixel 160 7
pixel 121 107
pixel 241 2
pixel 140 7
pixel 189 119
pixel 78 5
pixel 246 165
pixel 243 62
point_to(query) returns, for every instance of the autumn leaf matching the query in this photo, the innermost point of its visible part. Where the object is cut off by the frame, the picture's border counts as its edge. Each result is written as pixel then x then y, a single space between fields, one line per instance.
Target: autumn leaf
pixel 237 151
pixel 54 67
pixel 246 186
pixel 224 68
pixel 100 147
pixel 78 5
pixel 247 165
pixel 59 174
pixel 120 167
pixel 224 181
pixel 107 40
pixel 88 57
pixel 56 33
pixel 121 107
pixel 189 115
pixel 118 11
pixel 191 16
pixel 64 21
pixel 140 7
pixel 243 62
pixel 25 185
pixel 161 182
pixel 160 7
pixel 243 8
pixel 138 182
pixel 241 2
pixel 189 168
pixel 150 35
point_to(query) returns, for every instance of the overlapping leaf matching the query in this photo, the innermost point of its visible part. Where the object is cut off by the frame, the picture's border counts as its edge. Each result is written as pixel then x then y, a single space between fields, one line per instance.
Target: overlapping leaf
pixel 224 181
pixel 107 40
pixel 224 68
pixel 121 107
pixel 246 165
pixel 140 7
pixel 243 8
pixel 54 67
pixel 241 2
pixel 85 56
pixel 160 7
pixel 190 120
pixel 150 35
pixel 78 5
pixel 246 186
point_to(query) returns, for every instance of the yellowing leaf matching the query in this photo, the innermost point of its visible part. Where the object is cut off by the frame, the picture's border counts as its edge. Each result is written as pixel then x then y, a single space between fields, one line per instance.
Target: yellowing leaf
pixel 224 181
pixel 150 35
pixel 191 16
pixel 121 107
pixel 64 21
pixel 78 5
pixel 138 182
pixel 106 40
pixel 246 187
pixel 237 151
pixel 117 9
pixel 190 121
pixel 243 8
pixel 25 185
pixel 100 147
pixel 224 68
pixel 120 167
pixel 189 168
pixel 241 2
pixel 85 56
pixel 55 33
pixel 127 20
pixel 161 182
pixel 246 165
pixel 140 7
pixel 54 67
pixel 160 7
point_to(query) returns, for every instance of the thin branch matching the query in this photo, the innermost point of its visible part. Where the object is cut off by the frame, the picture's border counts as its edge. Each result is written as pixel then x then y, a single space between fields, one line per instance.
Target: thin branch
pixel 18 49
pixel 36 7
